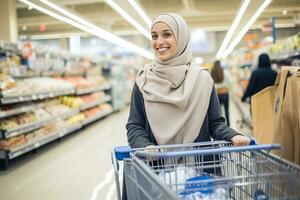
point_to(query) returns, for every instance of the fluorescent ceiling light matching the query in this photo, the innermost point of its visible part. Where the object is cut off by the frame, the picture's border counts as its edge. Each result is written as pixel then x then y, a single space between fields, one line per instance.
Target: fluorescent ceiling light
pixel 246 28
pixel 124 14
pixel 92 29
pixel 233 28
pixel 140 11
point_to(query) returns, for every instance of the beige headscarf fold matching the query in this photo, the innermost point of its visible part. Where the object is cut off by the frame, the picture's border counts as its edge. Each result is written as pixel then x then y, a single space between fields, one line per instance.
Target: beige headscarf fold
pixel 176 92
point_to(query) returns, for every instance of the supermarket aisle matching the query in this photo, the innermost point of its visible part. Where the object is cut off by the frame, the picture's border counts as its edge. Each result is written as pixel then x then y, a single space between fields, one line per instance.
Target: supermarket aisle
pixel 69 169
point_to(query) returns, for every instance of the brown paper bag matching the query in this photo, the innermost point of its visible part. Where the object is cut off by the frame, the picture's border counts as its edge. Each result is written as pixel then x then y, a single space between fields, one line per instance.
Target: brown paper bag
pixel 262 115
pixel 285 124
pixel 276 114
pixel 296 106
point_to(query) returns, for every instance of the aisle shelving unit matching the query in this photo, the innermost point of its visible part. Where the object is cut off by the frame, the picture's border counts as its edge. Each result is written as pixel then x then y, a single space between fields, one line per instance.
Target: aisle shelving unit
pixel 6 155
pixel 13 105
pixel 8 99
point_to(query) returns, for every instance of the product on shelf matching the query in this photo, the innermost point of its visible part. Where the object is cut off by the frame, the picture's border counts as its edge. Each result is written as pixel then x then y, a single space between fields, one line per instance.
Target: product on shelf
pixel 105 106
pixel 92 112
pixel 6 83
pixel 54 107
pixel 79 82
pixel 13 142
pixel 15 121
pixel 75 119
pixel 72 102
pixel 37 85
pixel 93 97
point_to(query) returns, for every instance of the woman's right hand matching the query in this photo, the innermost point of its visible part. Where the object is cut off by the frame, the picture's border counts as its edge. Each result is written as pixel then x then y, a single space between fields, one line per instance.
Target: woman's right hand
pixel 152 148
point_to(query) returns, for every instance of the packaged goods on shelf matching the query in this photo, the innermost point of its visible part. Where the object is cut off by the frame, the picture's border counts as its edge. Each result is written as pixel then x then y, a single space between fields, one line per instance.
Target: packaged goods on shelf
pixel 37 85
pixel 92 97
pixel 92 112
pixel 75 119
pixel 72 101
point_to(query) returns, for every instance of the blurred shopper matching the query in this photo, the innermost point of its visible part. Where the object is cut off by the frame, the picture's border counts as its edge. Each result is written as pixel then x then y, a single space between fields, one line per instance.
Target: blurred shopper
pixel 260 78
pixel 173 100
pixel 222 85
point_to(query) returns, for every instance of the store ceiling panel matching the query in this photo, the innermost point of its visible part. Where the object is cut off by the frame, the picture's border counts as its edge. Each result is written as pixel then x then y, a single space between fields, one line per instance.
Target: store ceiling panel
pixel 212 15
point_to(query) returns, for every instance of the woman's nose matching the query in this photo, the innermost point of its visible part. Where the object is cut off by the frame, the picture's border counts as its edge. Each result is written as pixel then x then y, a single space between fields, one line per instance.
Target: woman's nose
pixel 160 40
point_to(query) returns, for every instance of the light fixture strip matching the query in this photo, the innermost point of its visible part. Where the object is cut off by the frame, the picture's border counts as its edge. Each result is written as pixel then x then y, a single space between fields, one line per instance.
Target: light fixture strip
pixel 233 28
pixel 246 28
pixel 141 12
pixel 98 32
pixel 125 15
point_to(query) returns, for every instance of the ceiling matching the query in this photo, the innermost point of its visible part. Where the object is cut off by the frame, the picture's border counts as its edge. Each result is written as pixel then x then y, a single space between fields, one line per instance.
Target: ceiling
pixel 212 15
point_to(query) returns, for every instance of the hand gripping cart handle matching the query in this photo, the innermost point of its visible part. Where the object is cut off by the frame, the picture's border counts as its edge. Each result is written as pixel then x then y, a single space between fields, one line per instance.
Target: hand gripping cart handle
pixel 120 153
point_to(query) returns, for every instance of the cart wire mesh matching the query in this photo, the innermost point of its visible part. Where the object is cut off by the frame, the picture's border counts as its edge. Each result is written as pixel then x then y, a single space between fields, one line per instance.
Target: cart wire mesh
pixel 210 170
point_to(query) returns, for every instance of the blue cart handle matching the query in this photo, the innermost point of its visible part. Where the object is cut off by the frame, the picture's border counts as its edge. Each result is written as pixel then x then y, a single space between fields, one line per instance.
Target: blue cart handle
pixel 122 152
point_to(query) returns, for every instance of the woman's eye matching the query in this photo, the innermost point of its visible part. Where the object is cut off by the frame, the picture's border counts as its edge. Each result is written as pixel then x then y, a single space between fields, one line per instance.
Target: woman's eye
pixel 154 37
pixel 167 34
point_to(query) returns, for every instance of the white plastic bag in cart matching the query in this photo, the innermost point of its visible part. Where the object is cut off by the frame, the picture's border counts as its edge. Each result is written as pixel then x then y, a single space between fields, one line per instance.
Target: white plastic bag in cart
pixel 176 178
pixel 183 178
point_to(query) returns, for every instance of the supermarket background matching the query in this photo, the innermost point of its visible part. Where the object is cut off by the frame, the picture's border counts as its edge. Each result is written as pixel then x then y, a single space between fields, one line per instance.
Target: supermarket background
pixel 68 67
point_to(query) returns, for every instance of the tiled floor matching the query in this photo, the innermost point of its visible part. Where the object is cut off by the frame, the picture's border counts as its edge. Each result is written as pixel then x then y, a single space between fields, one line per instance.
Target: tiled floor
pixel 76 168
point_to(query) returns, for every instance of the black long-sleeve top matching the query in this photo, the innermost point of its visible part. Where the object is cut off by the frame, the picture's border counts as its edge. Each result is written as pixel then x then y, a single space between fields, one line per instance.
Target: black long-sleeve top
pixel 140 134
pixel 259 79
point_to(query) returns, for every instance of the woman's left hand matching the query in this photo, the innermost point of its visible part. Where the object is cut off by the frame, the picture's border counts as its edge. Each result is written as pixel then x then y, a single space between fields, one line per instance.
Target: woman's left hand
pixel 240 140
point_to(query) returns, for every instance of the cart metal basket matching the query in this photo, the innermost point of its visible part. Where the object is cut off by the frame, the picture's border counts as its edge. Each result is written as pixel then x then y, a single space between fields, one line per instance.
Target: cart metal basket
pixel 207 170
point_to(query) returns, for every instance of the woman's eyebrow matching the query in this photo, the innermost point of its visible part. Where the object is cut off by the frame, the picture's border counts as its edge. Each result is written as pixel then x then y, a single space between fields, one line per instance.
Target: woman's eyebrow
pixel 166 30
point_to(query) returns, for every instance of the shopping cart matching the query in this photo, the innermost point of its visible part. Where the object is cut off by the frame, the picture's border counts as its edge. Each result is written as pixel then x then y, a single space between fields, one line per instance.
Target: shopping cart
pixel 207 170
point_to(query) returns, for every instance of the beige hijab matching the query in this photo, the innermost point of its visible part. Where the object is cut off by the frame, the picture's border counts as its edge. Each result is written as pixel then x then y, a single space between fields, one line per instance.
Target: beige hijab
pixel 176 92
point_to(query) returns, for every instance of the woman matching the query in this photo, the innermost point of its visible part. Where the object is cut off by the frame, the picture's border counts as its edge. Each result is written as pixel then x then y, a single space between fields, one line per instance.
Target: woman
pixel 260 78
pixel 222 85
pixel 173 101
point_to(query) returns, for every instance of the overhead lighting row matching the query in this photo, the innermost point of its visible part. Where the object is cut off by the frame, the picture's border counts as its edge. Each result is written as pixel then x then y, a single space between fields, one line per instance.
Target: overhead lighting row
pixel 88 27
pixel 232 28
pixel 222 53
pixel 126 16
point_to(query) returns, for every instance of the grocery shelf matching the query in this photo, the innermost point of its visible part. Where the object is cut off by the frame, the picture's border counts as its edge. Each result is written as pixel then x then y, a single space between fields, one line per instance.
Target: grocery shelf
pixel 17 98
pixel 6 155
pixel 97 88
pixel 16 111
pixel 25 128
pixel 285 56
pixel 96 117
pixel 95 103
pixel 35 125
pixel 42 141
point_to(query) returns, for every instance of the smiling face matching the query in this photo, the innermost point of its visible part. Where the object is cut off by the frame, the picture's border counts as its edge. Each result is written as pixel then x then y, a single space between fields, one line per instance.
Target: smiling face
pixel 163 41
